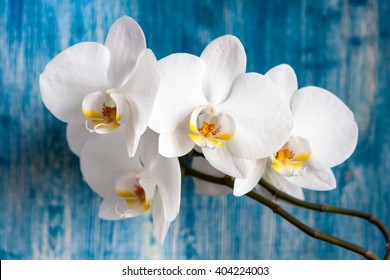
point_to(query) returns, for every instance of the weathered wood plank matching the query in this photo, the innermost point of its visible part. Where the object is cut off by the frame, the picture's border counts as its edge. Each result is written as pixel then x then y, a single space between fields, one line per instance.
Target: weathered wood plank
pixel 48 212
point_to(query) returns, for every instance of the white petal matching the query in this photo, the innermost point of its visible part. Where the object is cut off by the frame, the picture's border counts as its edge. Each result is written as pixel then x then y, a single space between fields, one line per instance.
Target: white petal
pixel 205 187
pixel 109 209
pixel 225 60
pixel 327 123
pixel 92 104
pixel 160 224
pixel 280 182
pixel 104 160
pixel 71 75
pixel 117 209
pixel 167 175
pixel 177 143
pixel 77 135
pixel 262 117
pixel 148 149
pixel 149 187
pixel 126 41
pixel 227 163
pixel 102 127
pixel 245 185
pixel 315 179
pixel 285 79
pixel 131 136
pixel 140 90
pixel 180 91
pixel 126 186
pixel 120 104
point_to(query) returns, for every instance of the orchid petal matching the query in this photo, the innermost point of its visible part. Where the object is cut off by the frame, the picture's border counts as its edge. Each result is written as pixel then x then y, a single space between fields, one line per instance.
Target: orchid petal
pixel 126 41
pixel 315 179
pixel 160 224
pixel 180 91
pixel 131 136
pixel 225 60
pixel 102 127
pixel 167 175
pixel 285 79
pixel 204 187
pixel 125 186
pixel 77 135
pixel 71 75
pixel 327 123
pixel 245 185
pixel 229 164
pixel 140 90
pixel 280 182
pixel 148 149
pixel 104 160
pixel 262 117
pixel 120 104
pixel 120 208
pixel 177 143
pixel 109 209
pixel 92 104
pixel 149 186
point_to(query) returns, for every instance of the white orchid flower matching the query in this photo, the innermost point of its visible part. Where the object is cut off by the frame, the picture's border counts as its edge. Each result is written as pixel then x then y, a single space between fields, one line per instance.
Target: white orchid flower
pixel 101 87
pixel 132 186
pixel 210 101
pixel 324 135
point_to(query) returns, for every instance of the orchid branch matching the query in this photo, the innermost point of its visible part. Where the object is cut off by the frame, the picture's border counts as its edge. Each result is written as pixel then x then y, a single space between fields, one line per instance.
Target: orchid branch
pixel 229 182
pixel 331 209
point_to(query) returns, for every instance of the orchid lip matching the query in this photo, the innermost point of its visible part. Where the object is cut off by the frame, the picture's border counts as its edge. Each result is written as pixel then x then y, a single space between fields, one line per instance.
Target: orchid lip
pixel 137 192
pixel 103 111
pixel 292 158
pixel 210 128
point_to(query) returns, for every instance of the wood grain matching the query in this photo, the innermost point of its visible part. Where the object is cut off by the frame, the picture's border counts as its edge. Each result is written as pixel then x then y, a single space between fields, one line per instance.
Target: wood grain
pixel 48 212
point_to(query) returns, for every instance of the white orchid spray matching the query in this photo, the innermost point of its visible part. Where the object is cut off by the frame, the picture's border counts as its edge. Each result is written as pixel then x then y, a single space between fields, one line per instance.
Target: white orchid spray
pixel 132 186
pixel 245 128
pixel 97 88
pixel 209 101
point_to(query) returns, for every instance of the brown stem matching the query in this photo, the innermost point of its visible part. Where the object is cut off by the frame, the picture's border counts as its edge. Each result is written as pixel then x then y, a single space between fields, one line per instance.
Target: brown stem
pixel 331 209
pixel 229 181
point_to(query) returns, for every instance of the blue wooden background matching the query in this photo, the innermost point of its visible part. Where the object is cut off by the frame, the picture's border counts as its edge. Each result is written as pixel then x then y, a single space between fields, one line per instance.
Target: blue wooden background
pixel 48 212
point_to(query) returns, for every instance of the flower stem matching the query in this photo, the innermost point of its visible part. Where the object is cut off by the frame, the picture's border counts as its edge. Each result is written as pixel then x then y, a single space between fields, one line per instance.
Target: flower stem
pixel 229 181
pixel 331 209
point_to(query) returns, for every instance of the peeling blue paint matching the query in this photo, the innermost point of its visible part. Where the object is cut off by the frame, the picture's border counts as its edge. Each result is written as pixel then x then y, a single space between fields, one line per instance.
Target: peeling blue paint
pixel 48 212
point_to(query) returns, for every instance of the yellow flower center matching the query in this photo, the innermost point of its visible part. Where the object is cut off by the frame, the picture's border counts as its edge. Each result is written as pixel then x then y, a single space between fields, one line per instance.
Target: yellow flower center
pixel 287 163
pixel 139 193
pixel 109 113
pixel 284 154
pixel 208 129
pixel 103 113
